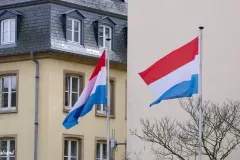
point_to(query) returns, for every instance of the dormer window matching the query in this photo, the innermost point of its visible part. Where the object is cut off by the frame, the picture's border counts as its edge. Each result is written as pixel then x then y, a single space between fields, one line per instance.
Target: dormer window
pixel 9 27
pixel 104 33
pixel 8 31
pixel 73 30
pixel 74 25
pixel 104 29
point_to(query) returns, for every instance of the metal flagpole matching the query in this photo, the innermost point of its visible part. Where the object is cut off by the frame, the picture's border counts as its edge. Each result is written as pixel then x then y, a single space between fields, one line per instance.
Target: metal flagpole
pixel 108 105
pixel 200 92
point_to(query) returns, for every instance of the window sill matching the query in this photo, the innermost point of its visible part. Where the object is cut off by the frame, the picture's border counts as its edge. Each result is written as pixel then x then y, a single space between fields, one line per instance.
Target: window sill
pixel 66 110
pixel 104 115
pixel 8 111
pixel 7 45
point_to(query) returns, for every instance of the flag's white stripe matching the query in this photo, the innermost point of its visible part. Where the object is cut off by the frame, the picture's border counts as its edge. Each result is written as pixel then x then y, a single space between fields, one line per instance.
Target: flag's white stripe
pixel 88 90
pixel 183 73
pixel 101 79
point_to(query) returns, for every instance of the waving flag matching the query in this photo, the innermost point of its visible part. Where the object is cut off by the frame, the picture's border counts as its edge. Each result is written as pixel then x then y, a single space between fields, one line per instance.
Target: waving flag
pixel 93 93
pixel 176 74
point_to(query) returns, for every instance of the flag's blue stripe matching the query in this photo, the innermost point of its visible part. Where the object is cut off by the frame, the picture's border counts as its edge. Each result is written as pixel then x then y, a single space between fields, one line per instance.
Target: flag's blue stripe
pixel 183 89
pixel 99 97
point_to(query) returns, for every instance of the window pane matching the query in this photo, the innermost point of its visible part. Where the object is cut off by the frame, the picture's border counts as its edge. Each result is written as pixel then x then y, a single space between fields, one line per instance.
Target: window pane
pixel 12 25
pixel 108 44
pixel 5 84
pixel 3 158
pixel 74 158
pixel 69 24
pixel 14 99
pixel 101 31
pixel 76 26
pixel 65 158
pixel 107 32
pixel 5 37
pixel 67 98
pixel 99 107
pixel 98 151
pixel 5 26
pixel 12 147
pixel 104 151
pixel 104 107
pixel 12 158
pixel 12 36
pixel 76 36
pixel 5 100
pixel 67 83
pixel 101 41
pixel 69 35
pixel 3 146
pixel 74 98
pixel 73 148
pixel 13 85
pixel 75 87
pixel 65 148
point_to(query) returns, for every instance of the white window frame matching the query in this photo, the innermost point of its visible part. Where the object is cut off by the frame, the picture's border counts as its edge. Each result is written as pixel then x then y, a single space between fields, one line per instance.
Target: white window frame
pixel 8 153
pixel 70 91
pixel 101 151
pixel 8 31
pixel 10 107
pixel 73 31
pixel 69 156
pixel 104 36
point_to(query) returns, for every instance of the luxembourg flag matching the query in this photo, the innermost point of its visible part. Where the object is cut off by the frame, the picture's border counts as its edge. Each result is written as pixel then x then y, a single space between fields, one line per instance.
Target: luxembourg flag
pixel 176 74
pixel 93 93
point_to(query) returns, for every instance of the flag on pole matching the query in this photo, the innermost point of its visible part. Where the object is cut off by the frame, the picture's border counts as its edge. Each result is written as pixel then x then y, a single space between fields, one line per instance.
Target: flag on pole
pixel 93 93
pixel 176 74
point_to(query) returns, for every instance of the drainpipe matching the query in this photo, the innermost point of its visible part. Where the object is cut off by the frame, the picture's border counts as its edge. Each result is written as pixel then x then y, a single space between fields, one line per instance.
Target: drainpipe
pixel 36 107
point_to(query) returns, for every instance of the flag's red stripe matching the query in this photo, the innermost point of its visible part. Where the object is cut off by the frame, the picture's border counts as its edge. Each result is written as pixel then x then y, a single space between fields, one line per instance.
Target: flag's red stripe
pixel 100 64
pixel 171 62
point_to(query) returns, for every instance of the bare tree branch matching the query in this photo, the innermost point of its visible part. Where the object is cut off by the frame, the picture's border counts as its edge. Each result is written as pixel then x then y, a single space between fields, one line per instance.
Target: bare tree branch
pixel 171 139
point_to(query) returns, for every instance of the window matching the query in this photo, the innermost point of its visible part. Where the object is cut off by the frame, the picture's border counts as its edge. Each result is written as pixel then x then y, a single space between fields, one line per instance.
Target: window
pixel 104 28
pixel 73 30
pixel 8 97
pixel 7 148
pixel 101 151
pixel 101 108
pixel 73 87
pixel 8 31
pixel 73 24
pixel 104 33
pixel 71 149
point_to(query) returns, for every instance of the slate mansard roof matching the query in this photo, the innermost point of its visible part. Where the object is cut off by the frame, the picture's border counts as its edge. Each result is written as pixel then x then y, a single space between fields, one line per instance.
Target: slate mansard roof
pixel 41 26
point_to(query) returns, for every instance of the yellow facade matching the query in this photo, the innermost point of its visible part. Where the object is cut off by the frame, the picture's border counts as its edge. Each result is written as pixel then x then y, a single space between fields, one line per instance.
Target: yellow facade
pixel 51 114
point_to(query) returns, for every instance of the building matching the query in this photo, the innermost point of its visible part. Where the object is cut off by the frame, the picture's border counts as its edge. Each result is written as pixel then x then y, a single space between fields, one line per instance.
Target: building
pixel 65 39
pixel 160 27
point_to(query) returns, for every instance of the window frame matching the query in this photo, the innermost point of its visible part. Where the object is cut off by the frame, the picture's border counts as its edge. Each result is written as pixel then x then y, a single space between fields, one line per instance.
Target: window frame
pixel 105 21
pixel 76 15
pixel 8 20
pixel 9 109
pixel 73 20
pixel 104 36
pixel 9 138
pixel 80 144
pixel 112 101
pixel 81 83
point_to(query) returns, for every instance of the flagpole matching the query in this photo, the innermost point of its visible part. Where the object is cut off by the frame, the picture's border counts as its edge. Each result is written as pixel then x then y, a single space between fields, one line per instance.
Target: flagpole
pixel 108 105
pixel 200 92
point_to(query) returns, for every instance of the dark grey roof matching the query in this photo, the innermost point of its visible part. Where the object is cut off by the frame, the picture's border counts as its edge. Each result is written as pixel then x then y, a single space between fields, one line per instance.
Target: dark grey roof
pixel 41 29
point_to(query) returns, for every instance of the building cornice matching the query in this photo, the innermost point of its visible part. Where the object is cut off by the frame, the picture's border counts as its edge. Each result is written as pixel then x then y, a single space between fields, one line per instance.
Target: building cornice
pixel 60 56
pixel 68 4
